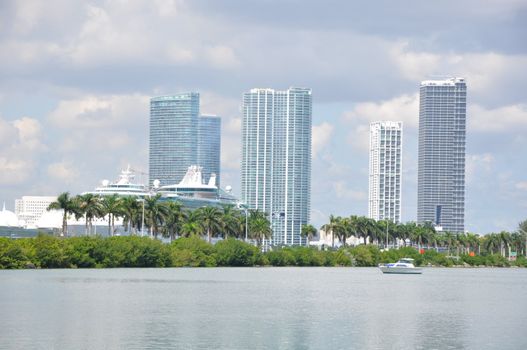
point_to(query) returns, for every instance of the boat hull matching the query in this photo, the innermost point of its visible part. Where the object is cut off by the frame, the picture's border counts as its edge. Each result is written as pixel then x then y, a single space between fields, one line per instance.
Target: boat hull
pixel 401 270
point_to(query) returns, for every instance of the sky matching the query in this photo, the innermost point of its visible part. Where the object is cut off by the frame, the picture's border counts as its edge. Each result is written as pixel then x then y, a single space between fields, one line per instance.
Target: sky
pixel 76 78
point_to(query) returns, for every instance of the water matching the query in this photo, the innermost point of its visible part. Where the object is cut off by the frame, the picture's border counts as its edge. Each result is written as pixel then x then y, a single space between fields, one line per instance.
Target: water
pixel 263 308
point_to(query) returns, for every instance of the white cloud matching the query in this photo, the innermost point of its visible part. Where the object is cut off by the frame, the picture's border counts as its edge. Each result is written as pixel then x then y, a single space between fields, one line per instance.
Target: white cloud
pixel 63 171
pixel 342 190
pixel 21 144
pixel 222 56
pixel 321 136
pixel 403 108
pixel 501 119
pixel 100 112
pixel 522 185
pixel 477 164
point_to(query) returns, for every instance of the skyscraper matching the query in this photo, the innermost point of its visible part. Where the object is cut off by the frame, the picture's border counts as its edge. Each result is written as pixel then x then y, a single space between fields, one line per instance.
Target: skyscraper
pixel 209 146
pixel 276 159
pixel 441 168
pixel 385 170
pixel 173 136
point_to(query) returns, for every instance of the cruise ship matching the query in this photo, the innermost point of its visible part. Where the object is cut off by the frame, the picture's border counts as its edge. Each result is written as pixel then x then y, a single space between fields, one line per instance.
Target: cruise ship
pixel 124 186
pixel 191 192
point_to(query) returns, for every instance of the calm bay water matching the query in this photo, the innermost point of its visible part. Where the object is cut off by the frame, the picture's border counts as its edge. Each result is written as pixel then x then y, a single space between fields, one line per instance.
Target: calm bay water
pixel 263 308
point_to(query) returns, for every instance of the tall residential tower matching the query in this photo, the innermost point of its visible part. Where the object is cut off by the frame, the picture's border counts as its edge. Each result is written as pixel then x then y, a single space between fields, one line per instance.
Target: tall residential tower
pixel 276 159
pixel 209 146
pixel 385 170
pixel 441 168
pixel 179 138
pixel 173 136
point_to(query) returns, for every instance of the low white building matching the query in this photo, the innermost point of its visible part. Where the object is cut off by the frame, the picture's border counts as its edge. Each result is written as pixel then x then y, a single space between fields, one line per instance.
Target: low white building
pixel 29 209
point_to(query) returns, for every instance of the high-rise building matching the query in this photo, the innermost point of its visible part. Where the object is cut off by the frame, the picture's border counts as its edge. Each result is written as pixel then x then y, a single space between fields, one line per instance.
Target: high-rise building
pixel 173 136
pixel 209 146
pixel 441 168
pixel 276 159
pixel 385 170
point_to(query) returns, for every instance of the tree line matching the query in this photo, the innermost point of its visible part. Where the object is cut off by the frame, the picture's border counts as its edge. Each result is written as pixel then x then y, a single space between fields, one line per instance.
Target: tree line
pixel 46 251
pixel 162 218
pixel 384 233
pixel 170 220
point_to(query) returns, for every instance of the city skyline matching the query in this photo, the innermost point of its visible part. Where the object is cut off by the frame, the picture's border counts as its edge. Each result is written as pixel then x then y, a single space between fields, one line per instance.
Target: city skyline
pixel 276 159
pixel 77 80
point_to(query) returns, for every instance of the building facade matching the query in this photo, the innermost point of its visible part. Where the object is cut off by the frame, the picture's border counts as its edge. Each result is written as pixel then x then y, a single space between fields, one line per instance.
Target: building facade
pixel 276 159
pixel 173 136
pixel 441 165
pixel 209 146
pixel 29 209
pixel 385 170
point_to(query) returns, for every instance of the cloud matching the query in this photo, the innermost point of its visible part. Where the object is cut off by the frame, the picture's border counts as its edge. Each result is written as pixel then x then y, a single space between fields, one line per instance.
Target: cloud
pixel 222 56
pixel 21 145
pixel 322 134
pixel 342 190
pixel 403 108
pixel 103 112
pixel 476 164
pixel 63 171
pixel 497 120
pixel 522 185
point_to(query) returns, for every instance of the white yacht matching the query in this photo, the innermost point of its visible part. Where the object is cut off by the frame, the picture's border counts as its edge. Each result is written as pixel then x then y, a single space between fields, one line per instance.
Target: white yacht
pixel 193 193
pixel 403 266
pixel 124 186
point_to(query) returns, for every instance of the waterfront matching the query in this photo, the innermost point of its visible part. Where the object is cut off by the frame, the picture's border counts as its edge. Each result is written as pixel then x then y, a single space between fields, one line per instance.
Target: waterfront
pixel 262 308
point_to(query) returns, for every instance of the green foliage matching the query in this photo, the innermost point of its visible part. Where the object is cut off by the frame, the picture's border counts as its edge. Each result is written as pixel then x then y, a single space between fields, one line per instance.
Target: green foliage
pixel 305 256
pixel 12 255
pixel 192 252
pixel 281 257
pixel 46 251
pixel 51 252
pixel 233 252
pixel 365 255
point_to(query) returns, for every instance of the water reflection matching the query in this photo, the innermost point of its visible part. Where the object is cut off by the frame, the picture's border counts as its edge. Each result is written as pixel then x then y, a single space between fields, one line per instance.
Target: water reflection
pixel 262 308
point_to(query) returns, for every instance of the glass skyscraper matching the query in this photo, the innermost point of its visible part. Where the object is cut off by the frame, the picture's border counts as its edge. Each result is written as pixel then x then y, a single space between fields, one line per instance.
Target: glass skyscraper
pixel 209 146
pixel 276 159
pixel 173 136
pixel 441 168
pixel 385 170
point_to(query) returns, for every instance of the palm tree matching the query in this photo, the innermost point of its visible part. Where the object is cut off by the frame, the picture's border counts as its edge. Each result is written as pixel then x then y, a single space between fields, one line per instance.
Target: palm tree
pixel 90 208
pixel 174 219
pixel 68 205
pixel 420 235
pixel 232 222
pixel 111 206
pixel 191 224
pixel 449 238
pixel 131 213
pixel 505 239
pixel 330 227
pixel 155 213
pixel 308 231
pixel 211 220
pixel 259 226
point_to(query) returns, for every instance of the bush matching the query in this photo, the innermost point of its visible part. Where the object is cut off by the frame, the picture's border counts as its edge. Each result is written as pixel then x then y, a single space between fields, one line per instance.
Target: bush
pixel 281 257
pixel 233 252
pixel 51 252
pixel 11 254
pixel 192 252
